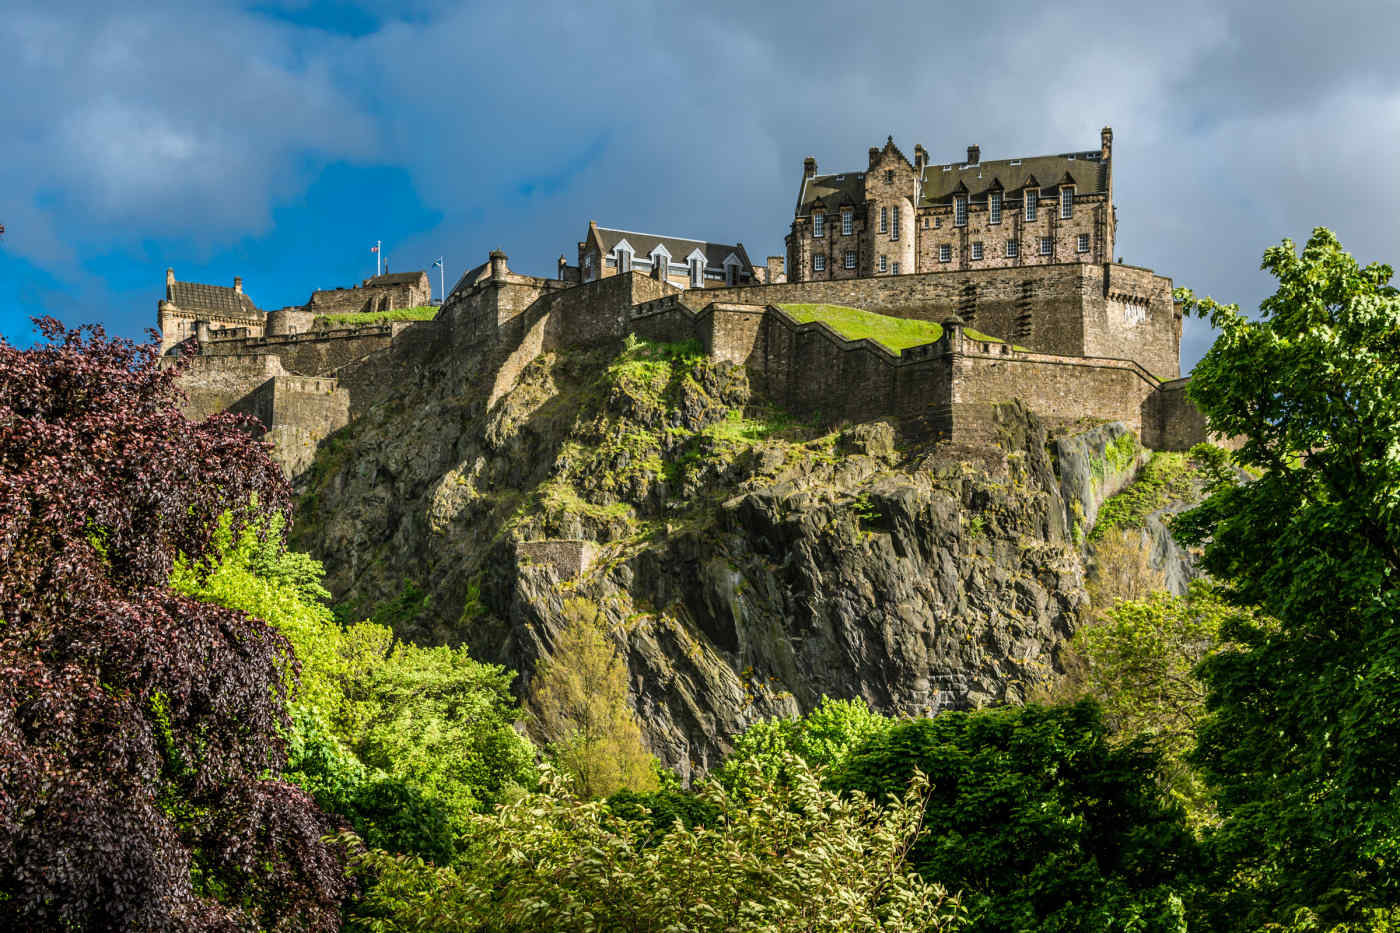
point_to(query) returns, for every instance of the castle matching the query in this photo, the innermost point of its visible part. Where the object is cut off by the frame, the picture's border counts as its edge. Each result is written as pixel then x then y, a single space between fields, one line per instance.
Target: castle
pixel 1070 332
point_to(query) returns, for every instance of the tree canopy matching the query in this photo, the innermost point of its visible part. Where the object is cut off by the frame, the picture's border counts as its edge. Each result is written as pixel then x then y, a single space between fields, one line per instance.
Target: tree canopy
pixel 1305 716
pixel 141 732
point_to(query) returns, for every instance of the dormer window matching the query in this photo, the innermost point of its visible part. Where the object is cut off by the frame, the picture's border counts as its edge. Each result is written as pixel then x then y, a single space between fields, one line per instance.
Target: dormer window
pixel 697 273
pixel 624 260
pixel 994 207
pixel 960 211
pixel 1066 203
pixel 818 223
pixel 847 222
pixel 1032 202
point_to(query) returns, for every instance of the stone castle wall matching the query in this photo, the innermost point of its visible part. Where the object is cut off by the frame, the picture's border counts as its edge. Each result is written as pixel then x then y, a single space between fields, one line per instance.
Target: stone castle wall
pixel 368 298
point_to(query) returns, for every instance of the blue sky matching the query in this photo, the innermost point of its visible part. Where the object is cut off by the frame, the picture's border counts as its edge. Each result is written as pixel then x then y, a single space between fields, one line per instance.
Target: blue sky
pixel 278 141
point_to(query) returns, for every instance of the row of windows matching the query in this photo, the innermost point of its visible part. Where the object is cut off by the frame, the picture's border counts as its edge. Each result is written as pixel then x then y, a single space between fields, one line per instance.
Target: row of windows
pixel 890 223
pixel 1013 248
pixel 848 261
pixel 621 259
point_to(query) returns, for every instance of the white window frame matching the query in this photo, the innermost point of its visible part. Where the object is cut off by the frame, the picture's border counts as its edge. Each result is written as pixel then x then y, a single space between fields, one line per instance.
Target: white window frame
pixel 884 263
pixel 994 207
pixel 1081 244
pixel 661 262
pixel 894 268
pixel 850 259
pixel 848 222
pixel 1032 199
pixel 977 249
pixel 960 210
pixel 732 269
pixel 894 222
pixel 884 220
pixel 945 252
pixel 621 250
pixel 1067 202
pixel 1013 249
pixel 818 224
pixel 1045 246
pixel 819 262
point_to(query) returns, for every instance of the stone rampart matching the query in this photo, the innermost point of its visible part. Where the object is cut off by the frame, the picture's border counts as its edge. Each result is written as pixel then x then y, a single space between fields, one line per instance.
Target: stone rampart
pixel 317 352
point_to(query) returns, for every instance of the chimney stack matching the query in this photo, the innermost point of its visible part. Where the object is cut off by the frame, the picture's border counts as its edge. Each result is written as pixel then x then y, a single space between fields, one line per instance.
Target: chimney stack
pixel 974 155
pixel 809 167
pixel 1106 142
pixel 238 284
pixel 920 157
pixel 874 154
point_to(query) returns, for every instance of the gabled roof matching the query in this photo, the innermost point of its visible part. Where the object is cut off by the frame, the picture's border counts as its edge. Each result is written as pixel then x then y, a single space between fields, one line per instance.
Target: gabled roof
pixel 395 278
pixel 1086 170
pixel 644 244
pixel 211 299
pixel 834 192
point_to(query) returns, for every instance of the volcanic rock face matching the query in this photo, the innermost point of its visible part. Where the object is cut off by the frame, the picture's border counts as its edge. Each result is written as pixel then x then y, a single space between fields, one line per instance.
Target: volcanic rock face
pixel 749 564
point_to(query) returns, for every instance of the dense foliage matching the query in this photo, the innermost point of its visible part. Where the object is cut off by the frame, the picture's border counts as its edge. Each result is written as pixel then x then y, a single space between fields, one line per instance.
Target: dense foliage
pixel 578 699
pixel 402 740
pixel 820 740
pixel 793 857
pixel 1305 716
pixel 1038 819
pixel 141 732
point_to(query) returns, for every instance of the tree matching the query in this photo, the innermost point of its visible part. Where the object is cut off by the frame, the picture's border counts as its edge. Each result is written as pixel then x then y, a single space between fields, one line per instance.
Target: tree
pixel 1040 821
pixel 1305 715
pixel 791 857
pixel 579 701
pixel 821 740
pixel 141 732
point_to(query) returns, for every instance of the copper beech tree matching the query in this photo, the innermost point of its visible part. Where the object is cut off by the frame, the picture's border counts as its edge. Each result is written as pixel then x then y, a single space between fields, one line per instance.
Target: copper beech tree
pixel 140 731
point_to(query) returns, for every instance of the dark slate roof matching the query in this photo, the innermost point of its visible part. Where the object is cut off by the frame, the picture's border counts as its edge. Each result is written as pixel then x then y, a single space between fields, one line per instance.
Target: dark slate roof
pixel 1087 170
pixel 213 299
pixel 834 191
pixel 395 278
pixel 643 243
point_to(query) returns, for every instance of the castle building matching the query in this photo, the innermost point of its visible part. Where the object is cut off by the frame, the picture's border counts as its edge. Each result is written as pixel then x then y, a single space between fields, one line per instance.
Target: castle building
pixel 899 217
pixel 682 262
pixel 188 304
pixel 387 292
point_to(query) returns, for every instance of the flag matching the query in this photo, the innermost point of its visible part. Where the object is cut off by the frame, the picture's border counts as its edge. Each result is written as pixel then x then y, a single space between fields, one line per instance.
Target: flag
pixel 437 262
pixel 374 249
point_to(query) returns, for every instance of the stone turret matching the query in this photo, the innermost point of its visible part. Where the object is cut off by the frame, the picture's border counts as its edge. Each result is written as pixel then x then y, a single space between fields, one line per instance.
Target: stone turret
pixel 499 269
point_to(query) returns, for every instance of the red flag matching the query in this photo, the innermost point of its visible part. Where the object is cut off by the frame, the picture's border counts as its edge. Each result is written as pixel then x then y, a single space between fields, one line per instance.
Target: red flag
pixel 374 249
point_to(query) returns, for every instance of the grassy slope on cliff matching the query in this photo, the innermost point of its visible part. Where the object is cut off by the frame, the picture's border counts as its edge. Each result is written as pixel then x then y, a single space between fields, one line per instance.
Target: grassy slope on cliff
pixel 896 333
pixel 352 318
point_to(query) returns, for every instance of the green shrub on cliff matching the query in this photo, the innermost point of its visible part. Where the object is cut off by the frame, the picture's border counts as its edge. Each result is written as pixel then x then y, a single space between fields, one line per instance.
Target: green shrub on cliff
pixel 354 318
pixel 821 740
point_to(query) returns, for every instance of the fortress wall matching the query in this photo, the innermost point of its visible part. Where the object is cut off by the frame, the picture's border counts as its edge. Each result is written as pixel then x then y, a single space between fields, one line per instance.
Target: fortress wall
pixel 363 298
pixel 1060 390
pixel 1038 306
pixel 310 354
pixel 1132 314
pixel 1171 421
pixel 221 383
pixel 303 412
pixel 667 320
pixel 733 333
pixel 289 321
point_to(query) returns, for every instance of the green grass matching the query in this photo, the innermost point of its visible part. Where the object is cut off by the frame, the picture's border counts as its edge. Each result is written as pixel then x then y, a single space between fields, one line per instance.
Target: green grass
pixel 1165 477
pixel 425 313
pixel 895 333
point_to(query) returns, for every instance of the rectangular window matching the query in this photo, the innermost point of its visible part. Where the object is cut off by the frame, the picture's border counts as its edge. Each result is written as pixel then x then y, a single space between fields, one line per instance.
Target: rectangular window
pixel 819 263
pixel 938 221
pixel 1066 203
pixel 818 224
pixel 1045 246
pixel 945 253
pixel 925 223
pixel 847 223
pixel 894 224
pixel 960 211
pixel 884 220
pixel 889 176
pixel 624 261
pixel 977 250
pixel 1013 249
pixel 1032 202
pixel 884 264
pixel 894 268
pixel 1083 244
pixel 697 272
pixel 994 207
pixel 850 262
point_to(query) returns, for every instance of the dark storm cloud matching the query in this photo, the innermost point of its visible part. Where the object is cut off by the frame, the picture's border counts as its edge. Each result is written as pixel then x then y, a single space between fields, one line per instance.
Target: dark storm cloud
pixel 1236 124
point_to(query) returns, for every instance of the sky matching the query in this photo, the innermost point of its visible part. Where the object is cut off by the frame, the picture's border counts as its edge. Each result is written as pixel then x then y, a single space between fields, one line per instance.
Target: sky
pixel 280 140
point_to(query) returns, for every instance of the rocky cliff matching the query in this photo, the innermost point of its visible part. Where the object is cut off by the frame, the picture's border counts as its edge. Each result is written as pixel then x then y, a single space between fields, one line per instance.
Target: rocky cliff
pixel 749 563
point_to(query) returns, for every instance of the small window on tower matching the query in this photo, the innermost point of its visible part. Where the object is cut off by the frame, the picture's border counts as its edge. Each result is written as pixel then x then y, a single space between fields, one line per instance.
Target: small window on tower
pixel 977 250
pixel 1013 249
pixel 884 264
pixel 1045 246
pixel 994 207
pixel 884 220
pixel 894 268
pixel 850 262
pixel 819 263
pixel 1083 244
pixel 818 224
pixel 889 176
pixel 894 224
pixel 847 223
pixel 1032 202
pixel 960 211
pixel 945 253
pixel 1066 203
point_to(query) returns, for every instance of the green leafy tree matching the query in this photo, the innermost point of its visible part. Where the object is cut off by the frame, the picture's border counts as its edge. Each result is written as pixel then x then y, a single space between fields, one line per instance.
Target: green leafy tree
pixel 821 739
pixel 792 857
pixel 1305 716
pixel 1038 819
pixel 1137 660
pixel 579 703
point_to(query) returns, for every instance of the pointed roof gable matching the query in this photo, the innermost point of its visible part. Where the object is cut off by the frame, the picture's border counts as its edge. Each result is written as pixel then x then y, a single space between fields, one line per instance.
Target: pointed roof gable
pixel 645 244
pixel 211 299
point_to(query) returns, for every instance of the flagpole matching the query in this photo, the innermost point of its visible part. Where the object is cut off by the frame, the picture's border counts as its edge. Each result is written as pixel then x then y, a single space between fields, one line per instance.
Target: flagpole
pixel 378 257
